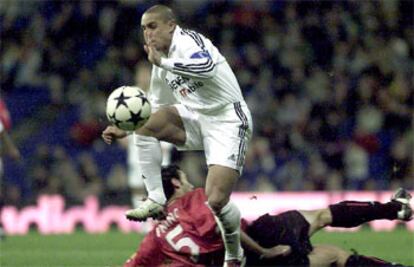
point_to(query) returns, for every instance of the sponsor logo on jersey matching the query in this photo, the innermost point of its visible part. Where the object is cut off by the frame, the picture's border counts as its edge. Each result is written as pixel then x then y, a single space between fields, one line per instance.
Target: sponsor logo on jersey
pixel 183 85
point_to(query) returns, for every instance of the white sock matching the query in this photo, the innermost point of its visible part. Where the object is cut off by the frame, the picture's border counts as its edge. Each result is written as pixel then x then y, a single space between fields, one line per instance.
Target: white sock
pixel 166 153
pixel 149 162
pixel 228 221
pixel 136 200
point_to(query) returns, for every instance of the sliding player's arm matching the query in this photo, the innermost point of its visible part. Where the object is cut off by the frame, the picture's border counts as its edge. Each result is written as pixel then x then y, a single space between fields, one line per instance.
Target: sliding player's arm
pixel 265 253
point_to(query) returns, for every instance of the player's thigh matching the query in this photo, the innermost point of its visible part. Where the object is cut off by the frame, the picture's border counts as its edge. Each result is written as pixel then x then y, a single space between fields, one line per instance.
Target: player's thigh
pixel 326 255
pixel 226 136
pixel 192 127
pixel 219 184
pixel 165 125
pixel 225 139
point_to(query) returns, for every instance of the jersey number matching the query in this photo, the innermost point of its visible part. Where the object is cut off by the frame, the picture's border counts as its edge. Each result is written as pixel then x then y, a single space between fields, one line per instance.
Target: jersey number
pixel 182 242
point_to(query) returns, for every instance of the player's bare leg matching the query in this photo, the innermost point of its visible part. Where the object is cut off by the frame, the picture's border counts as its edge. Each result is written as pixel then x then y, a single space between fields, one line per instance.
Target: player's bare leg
pixel 164 125
pixel 327 255
pixel 219 185
pixel 317 219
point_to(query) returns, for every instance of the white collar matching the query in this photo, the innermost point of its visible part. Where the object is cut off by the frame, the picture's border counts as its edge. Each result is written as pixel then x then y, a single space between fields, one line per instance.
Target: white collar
pixel 173 40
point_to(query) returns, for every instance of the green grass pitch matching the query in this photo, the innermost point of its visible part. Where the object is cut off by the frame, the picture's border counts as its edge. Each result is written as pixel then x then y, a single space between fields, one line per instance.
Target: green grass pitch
pixel 113 248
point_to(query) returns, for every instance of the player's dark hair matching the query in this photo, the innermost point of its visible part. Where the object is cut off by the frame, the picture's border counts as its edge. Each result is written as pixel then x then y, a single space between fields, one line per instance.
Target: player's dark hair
pixel 167 174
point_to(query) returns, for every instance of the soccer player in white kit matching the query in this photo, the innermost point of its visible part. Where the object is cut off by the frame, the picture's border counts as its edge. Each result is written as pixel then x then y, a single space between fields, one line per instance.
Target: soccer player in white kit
pixel 199 106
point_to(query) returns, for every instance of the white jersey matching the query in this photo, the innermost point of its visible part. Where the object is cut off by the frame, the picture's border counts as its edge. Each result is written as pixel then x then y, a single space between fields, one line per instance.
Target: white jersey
pixel 195 74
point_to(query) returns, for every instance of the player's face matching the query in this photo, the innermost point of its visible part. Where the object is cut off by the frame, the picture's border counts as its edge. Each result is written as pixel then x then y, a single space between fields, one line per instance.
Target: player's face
pixel 157 31
pixel 186 186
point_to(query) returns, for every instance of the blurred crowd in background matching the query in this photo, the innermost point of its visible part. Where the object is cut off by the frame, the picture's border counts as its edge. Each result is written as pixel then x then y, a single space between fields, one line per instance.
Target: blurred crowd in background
pixel 329 84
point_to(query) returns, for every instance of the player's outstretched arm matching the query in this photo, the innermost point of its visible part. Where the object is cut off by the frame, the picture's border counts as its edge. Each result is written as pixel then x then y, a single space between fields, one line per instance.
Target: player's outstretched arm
pixel 111 132
pixel 265 253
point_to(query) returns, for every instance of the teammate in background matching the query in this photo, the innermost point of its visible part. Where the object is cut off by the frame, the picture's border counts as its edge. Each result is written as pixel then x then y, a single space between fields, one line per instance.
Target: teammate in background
pixel 8 148
pixel 188 236
pixel 211 115
pixel 135 181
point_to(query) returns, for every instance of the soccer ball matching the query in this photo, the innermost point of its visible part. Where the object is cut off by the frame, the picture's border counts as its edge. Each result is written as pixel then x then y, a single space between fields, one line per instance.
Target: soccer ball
pixel 127 108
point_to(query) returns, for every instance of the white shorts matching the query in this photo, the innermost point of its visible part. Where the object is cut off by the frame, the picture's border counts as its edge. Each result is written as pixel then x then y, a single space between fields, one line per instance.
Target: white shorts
pixel 223 135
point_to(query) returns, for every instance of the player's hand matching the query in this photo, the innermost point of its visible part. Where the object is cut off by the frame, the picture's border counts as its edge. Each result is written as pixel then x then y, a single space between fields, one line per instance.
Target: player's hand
pixel 154 56
pixel 111 133
pixel 276 251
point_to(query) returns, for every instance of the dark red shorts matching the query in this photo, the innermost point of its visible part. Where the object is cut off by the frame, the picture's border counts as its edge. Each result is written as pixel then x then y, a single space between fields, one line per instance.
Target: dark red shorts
pixel 288 228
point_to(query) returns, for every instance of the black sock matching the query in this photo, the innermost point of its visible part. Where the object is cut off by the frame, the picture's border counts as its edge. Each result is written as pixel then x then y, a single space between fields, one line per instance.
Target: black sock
pixel 354 213
pixel 359 261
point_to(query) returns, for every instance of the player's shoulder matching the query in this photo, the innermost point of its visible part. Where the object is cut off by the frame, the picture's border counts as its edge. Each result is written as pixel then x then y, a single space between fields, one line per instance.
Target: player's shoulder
pixel 192 200
pixel 191 37
pixel 190 33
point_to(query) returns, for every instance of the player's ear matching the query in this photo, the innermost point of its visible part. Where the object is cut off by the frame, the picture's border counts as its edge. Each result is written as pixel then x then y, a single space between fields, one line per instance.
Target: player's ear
pixel 176 182
pixel 171 25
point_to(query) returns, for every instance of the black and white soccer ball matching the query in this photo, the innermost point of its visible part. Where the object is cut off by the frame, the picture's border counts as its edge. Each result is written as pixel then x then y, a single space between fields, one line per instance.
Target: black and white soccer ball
pixel 127 108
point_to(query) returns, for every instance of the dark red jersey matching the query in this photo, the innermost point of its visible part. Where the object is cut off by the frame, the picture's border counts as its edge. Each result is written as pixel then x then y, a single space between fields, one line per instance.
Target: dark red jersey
pixel 189 236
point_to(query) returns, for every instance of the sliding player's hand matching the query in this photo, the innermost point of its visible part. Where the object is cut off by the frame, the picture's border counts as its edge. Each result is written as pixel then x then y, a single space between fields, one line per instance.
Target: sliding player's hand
pixel 276 251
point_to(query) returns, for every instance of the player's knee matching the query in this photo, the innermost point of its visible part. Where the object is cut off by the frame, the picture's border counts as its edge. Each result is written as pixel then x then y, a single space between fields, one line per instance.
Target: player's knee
pixel 316 219
pixel 217 202
pixel 156 123
pixel 145 130
pixel 323 218
pixel 343 257
pixel 165 125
